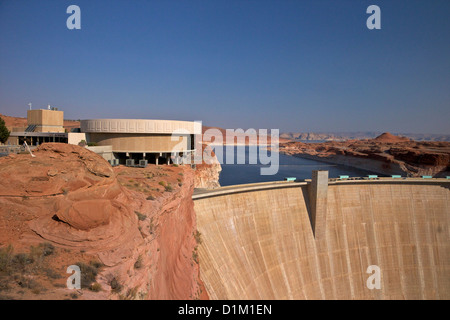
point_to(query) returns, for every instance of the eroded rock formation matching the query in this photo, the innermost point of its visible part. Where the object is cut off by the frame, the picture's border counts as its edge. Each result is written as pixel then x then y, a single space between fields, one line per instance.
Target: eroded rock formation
pixel 387 154
pixel 139 223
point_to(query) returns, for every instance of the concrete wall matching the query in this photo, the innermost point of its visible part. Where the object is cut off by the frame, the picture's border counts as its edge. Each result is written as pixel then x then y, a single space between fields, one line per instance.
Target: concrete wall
pixel 76 137
pixel 104 151
pixel 134 142
pixel 260 244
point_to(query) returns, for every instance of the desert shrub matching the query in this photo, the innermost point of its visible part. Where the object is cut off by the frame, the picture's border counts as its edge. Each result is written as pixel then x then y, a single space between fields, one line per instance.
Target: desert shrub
pixel 150 197
pixel 162 183
pixel 88 274
pixel 138 263
pixel 140 216
pixel 168 188
pixel 21 260
pixel 27 283
pixel 96 287
pixel 96 264
pixel 151 226
pixel 197 237
pixel 4 284
pixel 115 285
pixel 47 249
pixel 195 255
pixel 6 255
pixel 50 273
pixel 25 262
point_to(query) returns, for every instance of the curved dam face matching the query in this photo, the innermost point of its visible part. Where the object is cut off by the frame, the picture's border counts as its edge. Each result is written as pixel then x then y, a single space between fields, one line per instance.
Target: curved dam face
pixel 262 241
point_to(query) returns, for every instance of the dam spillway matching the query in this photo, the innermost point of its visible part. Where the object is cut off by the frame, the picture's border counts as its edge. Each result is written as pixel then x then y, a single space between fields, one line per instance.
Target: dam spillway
pixel 258 240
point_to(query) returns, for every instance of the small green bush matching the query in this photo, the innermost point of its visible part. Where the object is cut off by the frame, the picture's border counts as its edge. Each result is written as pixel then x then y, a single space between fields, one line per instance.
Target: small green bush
pixel 195 256
pixel 140 216
pixel 96 287
pixel 88 274
pixel 47 248
pixel 197 237
pixel 115 285
pixel 138 263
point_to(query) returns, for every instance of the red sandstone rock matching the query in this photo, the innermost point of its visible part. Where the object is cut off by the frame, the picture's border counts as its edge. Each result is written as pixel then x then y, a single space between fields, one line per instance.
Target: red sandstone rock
pixel 390 138
pixel 72 198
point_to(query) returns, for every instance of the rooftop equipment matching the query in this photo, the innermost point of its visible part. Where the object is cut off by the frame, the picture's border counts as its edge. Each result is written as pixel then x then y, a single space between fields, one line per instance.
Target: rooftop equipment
pixel 129 163
pixel 143 163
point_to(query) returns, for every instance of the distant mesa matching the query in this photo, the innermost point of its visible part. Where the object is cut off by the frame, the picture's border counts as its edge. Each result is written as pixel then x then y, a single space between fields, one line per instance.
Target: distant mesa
pixel 390 138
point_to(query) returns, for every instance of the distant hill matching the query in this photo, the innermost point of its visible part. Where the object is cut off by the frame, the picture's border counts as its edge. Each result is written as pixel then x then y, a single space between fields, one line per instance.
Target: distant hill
pixel 389 137
pixel 341 136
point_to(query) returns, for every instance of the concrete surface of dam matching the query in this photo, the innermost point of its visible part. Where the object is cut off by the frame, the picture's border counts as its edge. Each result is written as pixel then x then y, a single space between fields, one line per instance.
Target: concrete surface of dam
pixel 260 241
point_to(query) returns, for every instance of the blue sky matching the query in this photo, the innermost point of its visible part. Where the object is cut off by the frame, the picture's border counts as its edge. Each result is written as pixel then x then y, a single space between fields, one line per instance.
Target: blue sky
pixel 308 65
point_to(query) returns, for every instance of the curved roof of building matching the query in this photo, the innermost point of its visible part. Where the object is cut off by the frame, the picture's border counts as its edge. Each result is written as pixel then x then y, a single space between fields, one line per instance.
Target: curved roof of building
pixel 140 126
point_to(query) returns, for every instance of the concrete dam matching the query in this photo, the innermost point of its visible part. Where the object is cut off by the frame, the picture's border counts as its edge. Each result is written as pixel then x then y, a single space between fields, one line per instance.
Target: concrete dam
pixel 323 239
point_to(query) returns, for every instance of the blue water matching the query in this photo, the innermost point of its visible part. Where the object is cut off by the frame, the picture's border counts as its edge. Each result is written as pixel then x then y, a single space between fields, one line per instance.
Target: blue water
pixel 289 166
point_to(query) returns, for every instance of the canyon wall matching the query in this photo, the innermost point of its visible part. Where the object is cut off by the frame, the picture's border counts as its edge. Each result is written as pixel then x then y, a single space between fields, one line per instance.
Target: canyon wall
pixel 258 243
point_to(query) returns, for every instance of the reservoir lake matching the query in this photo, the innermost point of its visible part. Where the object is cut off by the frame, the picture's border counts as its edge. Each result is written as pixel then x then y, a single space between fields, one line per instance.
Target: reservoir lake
pixel 289 166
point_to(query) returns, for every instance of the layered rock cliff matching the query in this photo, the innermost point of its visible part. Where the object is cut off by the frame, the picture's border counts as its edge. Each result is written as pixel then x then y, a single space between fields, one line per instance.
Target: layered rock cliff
pixel 137 226
pixel 207 173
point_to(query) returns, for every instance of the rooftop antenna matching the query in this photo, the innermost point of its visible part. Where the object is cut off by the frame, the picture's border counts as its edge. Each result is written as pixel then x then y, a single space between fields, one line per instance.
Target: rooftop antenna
pixel 30 105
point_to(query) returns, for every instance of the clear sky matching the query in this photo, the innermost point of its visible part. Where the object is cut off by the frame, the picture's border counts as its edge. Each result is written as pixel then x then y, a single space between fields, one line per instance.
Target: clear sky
pixel 301 65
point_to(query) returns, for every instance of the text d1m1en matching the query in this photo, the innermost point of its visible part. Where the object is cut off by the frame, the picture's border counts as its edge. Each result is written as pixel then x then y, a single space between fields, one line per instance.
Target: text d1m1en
pixel 226 309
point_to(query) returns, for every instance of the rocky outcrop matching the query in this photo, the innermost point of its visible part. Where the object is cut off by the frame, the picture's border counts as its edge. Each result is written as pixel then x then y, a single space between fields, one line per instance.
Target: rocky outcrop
pixel 139 223
pixel 387 154
pixel 207 173
pixel 207 176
